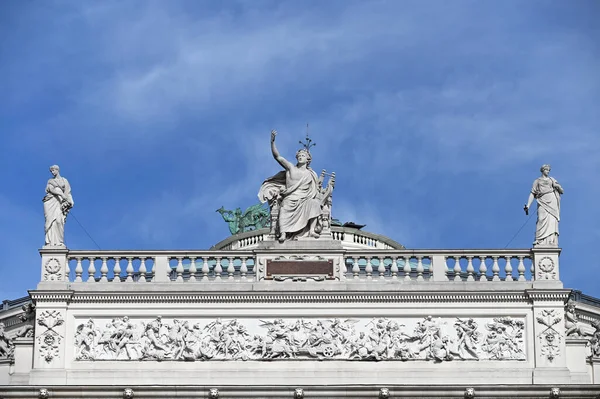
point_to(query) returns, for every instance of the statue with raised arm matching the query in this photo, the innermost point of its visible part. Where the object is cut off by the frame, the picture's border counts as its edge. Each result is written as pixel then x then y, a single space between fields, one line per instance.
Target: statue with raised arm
pixel 295 196
pixel 546 192
pixel 234 219
pixel 58 201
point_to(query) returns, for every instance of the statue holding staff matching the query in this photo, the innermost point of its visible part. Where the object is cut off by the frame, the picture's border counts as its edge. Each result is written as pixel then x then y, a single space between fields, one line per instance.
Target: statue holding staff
pixel 546 192
pixel 57 203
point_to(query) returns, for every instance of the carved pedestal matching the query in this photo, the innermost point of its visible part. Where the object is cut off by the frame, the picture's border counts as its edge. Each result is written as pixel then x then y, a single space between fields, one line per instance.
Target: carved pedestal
pixel 5 367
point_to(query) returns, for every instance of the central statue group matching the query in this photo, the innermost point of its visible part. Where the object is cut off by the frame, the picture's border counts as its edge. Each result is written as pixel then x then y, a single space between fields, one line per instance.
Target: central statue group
pixel 300 205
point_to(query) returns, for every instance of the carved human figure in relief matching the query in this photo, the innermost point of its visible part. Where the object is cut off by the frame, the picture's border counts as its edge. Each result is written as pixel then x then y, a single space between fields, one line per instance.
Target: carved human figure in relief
pixel 546 192
pixel 295 196
pixel 57 203
pixel 6 345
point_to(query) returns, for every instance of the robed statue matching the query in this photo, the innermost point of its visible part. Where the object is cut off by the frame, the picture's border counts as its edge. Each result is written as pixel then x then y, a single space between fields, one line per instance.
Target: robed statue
pixel 296 196
pixel 57 203
pixel 546 192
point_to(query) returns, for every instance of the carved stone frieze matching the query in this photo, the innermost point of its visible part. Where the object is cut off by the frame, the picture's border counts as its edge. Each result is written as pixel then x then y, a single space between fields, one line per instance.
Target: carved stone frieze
pixel 49 340
pixel 426 339
pixel 550 338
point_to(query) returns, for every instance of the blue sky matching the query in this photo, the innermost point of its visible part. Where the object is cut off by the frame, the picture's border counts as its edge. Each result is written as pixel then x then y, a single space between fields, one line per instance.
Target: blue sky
pixel 435 116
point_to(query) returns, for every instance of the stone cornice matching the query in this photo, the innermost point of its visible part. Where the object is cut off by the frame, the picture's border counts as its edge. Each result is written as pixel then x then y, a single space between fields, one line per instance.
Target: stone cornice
pixel 548 295
pixel 283 391
pixel 297 297
pixel 51 296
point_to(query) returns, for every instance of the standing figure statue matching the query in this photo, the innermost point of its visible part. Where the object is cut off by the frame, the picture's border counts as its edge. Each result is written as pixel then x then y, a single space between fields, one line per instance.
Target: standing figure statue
pixel 547 192
pixel 295 196
pixel 57 203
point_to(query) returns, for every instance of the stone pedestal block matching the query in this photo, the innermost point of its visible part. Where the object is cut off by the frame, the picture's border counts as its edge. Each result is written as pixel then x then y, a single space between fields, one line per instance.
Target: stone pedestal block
pixel 5 368
pixel 23 355
pixel 576 362
pixel 595 362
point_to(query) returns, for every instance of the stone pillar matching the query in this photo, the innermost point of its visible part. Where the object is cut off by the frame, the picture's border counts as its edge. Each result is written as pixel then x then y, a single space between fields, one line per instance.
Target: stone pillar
pixel 576 360
pixel 50 339
pixel 549 336
pixel 546 270
pixel 23 361
pixel 54 265
pixel 439 268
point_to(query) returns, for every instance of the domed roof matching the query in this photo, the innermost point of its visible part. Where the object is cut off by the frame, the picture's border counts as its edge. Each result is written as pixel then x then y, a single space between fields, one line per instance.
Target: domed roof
pixel 350 238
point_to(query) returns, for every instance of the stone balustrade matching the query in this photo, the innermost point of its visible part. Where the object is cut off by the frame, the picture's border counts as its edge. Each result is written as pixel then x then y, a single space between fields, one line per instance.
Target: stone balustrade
pixel 158 266
pixel 441 265
pixel 478 265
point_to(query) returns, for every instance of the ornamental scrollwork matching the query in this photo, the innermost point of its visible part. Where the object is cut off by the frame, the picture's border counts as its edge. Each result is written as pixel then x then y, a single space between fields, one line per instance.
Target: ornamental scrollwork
pixel 378 339
pixel 549 337
pixel 49 340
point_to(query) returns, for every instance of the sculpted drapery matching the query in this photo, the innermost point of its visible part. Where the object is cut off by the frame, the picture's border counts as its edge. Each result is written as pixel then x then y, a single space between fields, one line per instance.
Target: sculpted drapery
pixel 546 192
pixel 298 201
pixel 57 203
pixel 295 196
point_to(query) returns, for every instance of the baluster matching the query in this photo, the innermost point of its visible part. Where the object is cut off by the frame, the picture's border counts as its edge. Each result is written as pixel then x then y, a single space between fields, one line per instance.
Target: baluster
pixel 381 268
pixel 104 271
pixel 192 269
pixel 521 269
pixel 470 269
pixel 205 268
pixel 179 269
pixel 420 268
pixel 67 271
pixel 218 269
pixel 369 269
pixel 495 269
pixel 394 268
pixel 407 268
pixel 244 269
pixel 153 273
pixel 129 270
pixel 355 268
pixel 78 270
pixel 457 269
pixel 532 271
pixel 230 268
pixel 143 270
pixel 117 271
pixel 508 269
pixel 482 270
pixel 91 271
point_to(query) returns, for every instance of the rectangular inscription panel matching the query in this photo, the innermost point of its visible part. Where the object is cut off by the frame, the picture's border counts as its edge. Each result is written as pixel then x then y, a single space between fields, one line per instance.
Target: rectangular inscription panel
pixel 299 268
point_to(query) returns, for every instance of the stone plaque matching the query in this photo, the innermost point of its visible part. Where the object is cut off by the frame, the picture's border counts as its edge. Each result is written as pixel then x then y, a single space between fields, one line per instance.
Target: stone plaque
pixel 299 268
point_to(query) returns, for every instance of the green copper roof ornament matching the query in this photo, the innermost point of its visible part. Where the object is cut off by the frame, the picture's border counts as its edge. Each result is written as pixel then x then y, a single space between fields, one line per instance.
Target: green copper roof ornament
pixel 254 218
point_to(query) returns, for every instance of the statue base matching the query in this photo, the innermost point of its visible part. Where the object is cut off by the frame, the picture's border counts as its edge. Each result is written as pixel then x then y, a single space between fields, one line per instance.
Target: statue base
pixel 323 242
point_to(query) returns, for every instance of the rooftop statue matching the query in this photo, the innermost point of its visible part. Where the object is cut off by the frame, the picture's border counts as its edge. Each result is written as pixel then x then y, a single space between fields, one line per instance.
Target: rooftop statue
pixel 300 206
pixel 547 192
pixel 58 201
pixel 254 218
